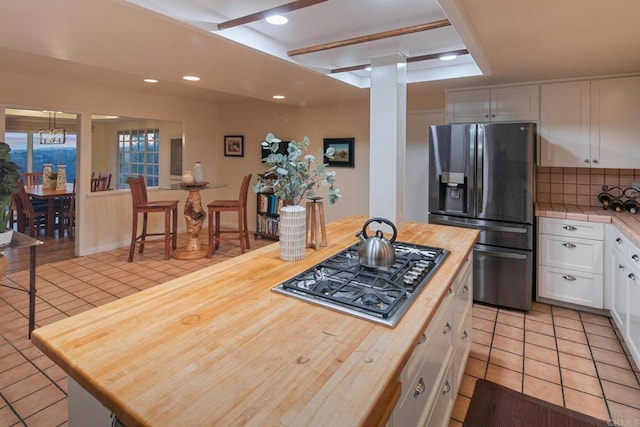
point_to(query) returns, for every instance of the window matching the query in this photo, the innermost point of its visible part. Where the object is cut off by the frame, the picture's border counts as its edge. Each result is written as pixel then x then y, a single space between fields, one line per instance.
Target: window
pixel 31 156
pixel 138 154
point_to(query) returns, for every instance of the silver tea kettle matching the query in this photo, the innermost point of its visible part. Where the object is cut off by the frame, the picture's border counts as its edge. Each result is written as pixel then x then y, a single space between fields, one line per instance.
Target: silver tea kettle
pixel 376 251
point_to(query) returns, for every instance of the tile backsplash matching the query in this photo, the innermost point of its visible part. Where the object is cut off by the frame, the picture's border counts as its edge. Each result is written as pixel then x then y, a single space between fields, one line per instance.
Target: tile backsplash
pixel 579 186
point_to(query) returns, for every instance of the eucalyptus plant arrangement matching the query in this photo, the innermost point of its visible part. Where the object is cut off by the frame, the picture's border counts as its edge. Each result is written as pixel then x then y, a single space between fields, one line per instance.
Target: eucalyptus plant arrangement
pixel 295 175
pixel 9 177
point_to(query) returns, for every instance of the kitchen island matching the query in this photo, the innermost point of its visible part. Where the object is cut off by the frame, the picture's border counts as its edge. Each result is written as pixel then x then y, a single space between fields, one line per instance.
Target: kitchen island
pixel 218 347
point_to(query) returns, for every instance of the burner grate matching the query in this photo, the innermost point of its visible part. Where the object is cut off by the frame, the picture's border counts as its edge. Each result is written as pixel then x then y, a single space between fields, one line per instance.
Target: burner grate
pixel 378 294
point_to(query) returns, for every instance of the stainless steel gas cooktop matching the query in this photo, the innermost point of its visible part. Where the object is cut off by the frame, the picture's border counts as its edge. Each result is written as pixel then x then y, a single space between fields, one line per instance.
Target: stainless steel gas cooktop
pixel 381 295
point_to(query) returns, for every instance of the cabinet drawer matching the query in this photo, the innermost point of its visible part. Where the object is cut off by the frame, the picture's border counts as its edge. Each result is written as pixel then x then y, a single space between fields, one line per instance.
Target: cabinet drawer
pixel 571 253
pixel 571 286
pixel 570 228
pixel 633 253
pixel 462 346
pixel 432 340
pixel 435 353
pixel 619 242
pixel 444 402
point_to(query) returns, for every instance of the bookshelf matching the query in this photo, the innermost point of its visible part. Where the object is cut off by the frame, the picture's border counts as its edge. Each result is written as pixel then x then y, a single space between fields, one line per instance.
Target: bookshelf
pixel 267 217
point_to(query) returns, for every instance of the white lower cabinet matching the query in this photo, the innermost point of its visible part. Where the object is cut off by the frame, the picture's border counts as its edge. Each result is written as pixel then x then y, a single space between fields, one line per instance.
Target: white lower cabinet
pixel 432 376
pixel 624 287
pixel 570 261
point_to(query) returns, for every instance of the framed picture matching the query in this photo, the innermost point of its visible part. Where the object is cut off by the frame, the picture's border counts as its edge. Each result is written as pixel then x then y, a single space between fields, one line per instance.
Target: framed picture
pixel 234 145
pixel 283 148
pixel 344 154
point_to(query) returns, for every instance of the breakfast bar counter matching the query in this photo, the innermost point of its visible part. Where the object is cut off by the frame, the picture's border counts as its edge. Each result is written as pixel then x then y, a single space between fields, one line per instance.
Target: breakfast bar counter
pixel 218 347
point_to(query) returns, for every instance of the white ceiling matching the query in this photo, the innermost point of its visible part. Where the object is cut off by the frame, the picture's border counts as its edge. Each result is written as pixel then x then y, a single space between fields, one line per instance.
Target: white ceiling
pixel 332 21
pixel 116 43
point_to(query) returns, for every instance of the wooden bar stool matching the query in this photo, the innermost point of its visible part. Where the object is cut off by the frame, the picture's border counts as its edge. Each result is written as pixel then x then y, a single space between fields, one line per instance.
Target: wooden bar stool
pixel 240 206
pixel 141 205
pixel 315 223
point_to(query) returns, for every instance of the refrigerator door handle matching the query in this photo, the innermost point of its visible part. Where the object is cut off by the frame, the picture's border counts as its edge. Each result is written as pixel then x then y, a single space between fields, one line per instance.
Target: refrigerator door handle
pixel 500 254
pixel 503 229
pixel 471 200
pixel 480 168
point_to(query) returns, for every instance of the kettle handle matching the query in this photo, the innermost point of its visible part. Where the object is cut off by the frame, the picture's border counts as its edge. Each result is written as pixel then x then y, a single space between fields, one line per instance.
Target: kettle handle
pixel 381 221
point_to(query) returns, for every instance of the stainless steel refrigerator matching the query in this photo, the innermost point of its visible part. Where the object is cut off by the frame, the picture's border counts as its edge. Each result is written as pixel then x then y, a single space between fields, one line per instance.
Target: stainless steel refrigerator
pixel 482 176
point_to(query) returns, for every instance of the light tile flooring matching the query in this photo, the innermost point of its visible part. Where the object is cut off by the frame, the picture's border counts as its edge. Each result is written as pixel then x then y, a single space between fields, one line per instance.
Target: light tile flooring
pixel 571 358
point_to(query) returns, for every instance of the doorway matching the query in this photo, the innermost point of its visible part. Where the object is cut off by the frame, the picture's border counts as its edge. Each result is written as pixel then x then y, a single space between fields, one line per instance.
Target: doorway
pixel 38 137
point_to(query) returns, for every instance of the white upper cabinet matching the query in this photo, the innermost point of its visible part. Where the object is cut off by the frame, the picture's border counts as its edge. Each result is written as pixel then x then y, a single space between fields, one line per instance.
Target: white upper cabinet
pixel 507 104
pixel 564 124
pixel 592 123
pixel 615 122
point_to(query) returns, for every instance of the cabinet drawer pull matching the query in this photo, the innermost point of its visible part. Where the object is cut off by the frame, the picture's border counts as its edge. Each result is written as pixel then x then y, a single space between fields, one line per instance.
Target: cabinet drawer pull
pixel 422 339
pixel 635 257
pixel 618 240
pixel 569 228
pixel 465 289
pixel 569 277
pixel 446 388
pixel 465 335
pixel 586 160
pixel 450 291
pixel 446 329
pixel 632 276
pixel 568 245
pixel 595 161
pixel 621 267
pixel 419 389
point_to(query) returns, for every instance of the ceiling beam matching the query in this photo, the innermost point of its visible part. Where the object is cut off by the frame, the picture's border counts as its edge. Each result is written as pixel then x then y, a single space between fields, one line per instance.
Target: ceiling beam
pixel 409 60
pixel 371 37
pixel 278 10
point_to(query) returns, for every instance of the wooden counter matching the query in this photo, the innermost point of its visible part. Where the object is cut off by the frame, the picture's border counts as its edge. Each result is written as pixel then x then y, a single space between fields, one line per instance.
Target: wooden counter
pixel 217 347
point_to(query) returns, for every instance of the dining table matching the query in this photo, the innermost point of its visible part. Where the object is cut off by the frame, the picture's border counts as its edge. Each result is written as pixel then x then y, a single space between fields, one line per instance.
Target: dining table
pixel 40 192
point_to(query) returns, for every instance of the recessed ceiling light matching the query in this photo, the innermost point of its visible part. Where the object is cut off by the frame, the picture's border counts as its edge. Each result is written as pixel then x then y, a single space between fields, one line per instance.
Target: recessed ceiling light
pixel 150 81
pixel 278 96
pixel 191 78
pixel 448 57
pixel 277 20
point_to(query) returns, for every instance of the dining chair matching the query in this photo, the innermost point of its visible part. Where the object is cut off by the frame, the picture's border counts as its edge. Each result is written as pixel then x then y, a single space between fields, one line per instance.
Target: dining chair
pixel 141 205
pixel 31 178
pixel 29 215
pixel 240 206
pixel 66 212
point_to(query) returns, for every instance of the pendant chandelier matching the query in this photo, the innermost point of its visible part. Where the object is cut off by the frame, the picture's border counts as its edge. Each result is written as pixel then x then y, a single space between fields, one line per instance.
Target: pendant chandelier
pixel 52 135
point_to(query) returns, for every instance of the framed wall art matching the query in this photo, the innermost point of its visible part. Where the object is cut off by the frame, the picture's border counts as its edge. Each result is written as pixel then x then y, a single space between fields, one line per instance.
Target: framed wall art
pixel 234 145
pixel 344 151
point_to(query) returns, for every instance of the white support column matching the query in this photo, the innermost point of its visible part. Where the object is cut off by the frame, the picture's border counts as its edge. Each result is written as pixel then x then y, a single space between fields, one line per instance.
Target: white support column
pixel 388 115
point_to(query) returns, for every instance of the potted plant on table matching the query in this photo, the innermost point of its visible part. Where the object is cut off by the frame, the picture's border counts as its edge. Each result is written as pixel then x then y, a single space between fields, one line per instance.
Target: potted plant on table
pixel 53 180
pixel 9 177
pixel 292 177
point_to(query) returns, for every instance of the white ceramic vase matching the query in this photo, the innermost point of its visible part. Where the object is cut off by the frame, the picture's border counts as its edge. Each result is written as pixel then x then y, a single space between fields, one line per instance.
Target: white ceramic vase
pixel 61 184
pixel 198 174
pixel 293 232
pixel 46 171
pixel 187 178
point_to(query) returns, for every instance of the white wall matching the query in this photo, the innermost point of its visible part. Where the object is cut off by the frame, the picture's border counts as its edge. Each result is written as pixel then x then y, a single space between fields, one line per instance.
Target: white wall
pixel 255 119
pixel 104 220
pixel 417 175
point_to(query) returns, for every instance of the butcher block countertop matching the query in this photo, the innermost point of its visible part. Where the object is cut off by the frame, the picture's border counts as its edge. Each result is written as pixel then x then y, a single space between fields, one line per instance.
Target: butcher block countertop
pixel 218 347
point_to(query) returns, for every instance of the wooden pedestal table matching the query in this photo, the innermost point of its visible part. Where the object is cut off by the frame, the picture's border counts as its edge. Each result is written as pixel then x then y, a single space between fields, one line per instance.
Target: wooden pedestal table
pixel 194 216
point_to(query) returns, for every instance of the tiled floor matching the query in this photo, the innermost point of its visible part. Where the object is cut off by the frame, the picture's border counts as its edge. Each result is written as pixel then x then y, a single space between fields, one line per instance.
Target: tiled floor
pixel 570 358
pixel 567 357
